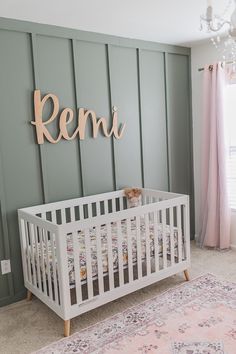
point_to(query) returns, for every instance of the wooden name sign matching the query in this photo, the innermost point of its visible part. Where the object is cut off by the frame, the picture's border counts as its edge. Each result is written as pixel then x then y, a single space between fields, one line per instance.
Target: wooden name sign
pixel 66 117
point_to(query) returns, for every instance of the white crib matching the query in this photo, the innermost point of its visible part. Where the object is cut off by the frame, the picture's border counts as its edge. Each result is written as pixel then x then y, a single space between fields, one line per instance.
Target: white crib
pixel 82 253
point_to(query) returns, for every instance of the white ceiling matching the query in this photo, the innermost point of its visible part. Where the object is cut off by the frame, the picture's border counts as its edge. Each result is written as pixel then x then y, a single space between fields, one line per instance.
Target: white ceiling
pixel 166 21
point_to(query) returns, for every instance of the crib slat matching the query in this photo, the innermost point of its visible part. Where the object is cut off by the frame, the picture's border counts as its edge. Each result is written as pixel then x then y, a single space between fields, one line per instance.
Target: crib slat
pixel 186 229
pixel 110 257
pixel 90 210
pixel 72 214
pixel 130 253
pixel 163 216
pixel 63 216
pixel 179 233
pixel 99 260
pixel 76 250
pixel 106 207
pixel 147 236
pixel 139 250
pixel 32 243
pixel 156 240
pixel 43 270
pixel 172 246
pixel 54 217
pixel 113 205
pixel 48 263
pixel 54 268
pixel 98 208
pixel 81 212
pixel 120 253
pixel 24 246
pixel 28 252
pixel 145 200
pixel 37 259
pixel 88 264
pixel 121 203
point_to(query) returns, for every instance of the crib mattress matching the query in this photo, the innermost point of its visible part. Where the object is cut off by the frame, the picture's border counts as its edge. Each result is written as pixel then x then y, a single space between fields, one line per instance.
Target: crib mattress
pixel 104 248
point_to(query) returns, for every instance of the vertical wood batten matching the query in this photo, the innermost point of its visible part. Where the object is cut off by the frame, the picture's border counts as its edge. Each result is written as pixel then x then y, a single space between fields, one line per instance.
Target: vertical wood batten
pixel 111 105
pixel 75 74
pixel 191 192
pixel 138 51
pixel 167 115
pixel 42 156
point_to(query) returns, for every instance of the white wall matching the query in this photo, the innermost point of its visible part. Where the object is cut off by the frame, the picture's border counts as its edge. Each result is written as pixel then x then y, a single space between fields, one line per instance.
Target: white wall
pixel 201 55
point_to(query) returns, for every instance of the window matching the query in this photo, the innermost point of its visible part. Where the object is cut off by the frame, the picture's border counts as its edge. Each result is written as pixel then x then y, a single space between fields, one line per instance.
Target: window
pixel 230 105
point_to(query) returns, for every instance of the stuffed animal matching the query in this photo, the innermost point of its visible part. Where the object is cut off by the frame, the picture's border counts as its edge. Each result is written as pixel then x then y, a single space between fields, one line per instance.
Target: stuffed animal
pixel 133 197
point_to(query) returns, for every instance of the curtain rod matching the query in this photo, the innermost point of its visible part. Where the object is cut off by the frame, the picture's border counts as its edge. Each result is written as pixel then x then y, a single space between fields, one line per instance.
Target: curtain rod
pixel 211 66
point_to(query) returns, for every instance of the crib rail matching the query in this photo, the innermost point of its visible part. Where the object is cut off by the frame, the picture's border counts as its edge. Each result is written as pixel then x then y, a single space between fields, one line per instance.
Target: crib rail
pixel 114 250
pixel 92 206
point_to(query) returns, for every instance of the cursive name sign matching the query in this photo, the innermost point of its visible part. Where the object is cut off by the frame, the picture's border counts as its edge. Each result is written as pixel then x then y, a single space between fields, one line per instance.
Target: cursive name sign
pixel 66 117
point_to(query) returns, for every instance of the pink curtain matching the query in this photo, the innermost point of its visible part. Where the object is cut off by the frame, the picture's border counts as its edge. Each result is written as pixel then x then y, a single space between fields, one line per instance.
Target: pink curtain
pixel 215 210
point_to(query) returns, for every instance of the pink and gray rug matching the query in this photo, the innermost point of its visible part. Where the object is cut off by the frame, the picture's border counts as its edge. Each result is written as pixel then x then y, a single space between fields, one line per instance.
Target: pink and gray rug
pixel 198 317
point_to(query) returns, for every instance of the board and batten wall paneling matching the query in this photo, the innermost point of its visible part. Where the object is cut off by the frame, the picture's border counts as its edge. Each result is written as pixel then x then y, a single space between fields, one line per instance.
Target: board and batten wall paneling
pixel 92 87
pixel 179 128
pixel 178 122
pixel 6 281
pixel 153 116
pixel 20 168
pixel 54 66
pixel 149 84
pixel 124 95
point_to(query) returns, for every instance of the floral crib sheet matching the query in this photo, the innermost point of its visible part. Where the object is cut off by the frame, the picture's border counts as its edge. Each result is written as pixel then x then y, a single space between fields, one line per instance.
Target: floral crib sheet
pixel 104 248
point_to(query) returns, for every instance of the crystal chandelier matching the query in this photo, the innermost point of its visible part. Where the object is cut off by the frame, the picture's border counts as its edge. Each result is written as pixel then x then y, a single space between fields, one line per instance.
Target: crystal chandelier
pixel 212 23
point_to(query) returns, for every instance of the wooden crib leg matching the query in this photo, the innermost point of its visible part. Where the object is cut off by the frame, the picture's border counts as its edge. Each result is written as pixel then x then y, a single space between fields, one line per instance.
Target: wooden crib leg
pixel 67 328
pixel 186 274
pixel 29 295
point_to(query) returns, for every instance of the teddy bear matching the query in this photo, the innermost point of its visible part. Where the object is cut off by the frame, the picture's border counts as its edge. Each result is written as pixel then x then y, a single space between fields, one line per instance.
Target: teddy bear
pixel 133 197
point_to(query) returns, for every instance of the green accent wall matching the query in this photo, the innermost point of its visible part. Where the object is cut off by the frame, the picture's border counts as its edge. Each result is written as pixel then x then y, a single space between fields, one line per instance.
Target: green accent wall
pixel 148 82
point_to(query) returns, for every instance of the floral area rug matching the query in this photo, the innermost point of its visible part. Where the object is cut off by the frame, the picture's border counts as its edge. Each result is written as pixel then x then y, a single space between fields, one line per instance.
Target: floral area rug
pixel 197 317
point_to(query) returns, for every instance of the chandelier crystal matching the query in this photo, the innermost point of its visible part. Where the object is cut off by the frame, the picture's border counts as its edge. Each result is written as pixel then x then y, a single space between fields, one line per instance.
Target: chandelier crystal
pixel 213 23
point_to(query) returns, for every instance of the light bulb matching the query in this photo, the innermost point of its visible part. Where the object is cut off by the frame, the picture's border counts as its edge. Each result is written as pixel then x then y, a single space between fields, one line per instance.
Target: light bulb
pixel 209 3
